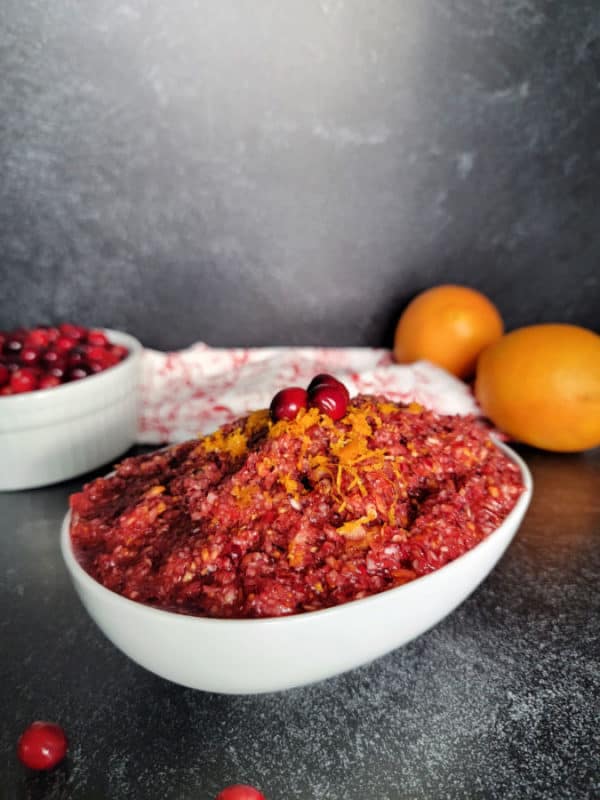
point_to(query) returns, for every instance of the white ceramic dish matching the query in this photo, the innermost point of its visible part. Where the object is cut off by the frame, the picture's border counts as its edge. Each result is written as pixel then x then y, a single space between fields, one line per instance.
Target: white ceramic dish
pixel 54 434
pixel 266 655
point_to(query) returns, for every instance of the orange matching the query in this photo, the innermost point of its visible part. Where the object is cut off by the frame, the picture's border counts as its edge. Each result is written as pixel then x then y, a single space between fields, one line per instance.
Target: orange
pixel 448 325
pixel 541 384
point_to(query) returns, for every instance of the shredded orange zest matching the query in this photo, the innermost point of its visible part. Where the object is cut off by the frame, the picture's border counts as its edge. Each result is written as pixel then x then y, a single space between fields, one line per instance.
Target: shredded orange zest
pixel 352 525
pixel 244 494
pixel 296 551
pixel 155 490
pixel 257 421
pixel 234 443
pixel 347 465
pixel 291 486
pixel 359 422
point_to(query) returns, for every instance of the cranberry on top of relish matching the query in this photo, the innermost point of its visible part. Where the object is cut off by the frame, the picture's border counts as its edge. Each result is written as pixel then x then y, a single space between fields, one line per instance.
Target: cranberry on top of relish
pixel 325 379
pixel 330 399
pixel 44 357
pixel 324 392
pixel 287 403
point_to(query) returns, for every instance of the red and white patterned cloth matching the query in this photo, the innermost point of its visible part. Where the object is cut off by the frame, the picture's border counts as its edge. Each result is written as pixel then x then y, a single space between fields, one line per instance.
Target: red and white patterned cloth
pixel 195 390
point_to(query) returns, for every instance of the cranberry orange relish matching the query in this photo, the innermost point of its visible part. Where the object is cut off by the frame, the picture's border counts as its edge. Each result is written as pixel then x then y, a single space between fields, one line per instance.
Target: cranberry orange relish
pixel 272 516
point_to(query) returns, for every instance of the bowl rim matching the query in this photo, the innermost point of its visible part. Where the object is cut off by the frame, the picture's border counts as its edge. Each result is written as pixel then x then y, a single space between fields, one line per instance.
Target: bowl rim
pixel 38 396
pixel 78 573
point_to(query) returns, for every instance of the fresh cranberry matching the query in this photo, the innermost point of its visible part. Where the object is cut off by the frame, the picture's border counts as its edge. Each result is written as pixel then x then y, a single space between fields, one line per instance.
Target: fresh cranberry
pixel 119 351
pixel 54 363
pixel 48 381
pixel 42 745
pixel 76 357
pixel 98 338
pixel 30 355
pixel 13 345
pixel 76 332
pixel 52 357
pixel 78 372
pixel 5 390
pixel 324 379
pixel 330 400
pixel 69 352
pixel 64 344
pixel 110 359
pixel 240 791
pixel 38 337
pixel 23 380
pixel 98 354
pixel 57 367
pixel 287 403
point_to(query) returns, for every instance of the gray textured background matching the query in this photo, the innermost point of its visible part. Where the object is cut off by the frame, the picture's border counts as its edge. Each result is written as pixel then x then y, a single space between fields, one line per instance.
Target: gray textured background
pixel 260 171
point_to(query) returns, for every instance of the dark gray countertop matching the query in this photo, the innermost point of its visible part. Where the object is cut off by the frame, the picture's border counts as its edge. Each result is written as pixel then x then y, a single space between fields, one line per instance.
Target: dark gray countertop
pixel 498 701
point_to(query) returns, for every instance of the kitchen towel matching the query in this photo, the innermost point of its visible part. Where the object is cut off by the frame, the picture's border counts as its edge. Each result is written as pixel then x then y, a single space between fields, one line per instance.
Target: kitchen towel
pixel 195 390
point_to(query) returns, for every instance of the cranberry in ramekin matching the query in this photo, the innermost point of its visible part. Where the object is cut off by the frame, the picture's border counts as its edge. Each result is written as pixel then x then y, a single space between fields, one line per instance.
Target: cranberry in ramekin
pixel 56 355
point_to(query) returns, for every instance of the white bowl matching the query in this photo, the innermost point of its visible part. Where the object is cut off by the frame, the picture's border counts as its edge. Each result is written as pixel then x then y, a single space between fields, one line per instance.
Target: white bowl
pixel 251 656
pixel 53 434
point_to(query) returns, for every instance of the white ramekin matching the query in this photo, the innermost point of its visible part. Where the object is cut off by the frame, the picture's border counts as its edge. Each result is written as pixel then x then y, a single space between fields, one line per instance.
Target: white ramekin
pixel 54 434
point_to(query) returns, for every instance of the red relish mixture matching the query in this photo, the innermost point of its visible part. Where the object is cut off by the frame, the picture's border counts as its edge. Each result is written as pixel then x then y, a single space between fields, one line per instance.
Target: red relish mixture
pixel 266 518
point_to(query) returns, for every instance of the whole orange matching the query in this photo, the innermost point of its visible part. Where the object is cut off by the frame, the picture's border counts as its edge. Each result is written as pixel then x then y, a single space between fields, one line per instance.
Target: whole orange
pixel 448 325
pixel 541 384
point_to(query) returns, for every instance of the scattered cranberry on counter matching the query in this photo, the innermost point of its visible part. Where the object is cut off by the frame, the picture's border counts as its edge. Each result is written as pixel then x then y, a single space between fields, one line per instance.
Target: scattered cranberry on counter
pixel 287 403
pixel 331 400
pixel 41 358
pixel 42 745
pixel 240 792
